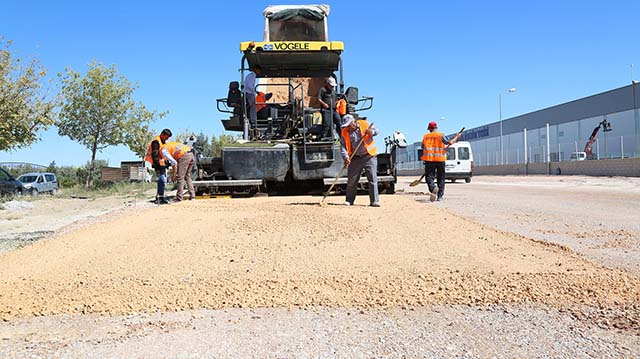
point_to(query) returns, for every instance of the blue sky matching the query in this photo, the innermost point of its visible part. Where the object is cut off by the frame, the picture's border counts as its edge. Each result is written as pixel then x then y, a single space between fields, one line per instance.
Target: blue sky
pixel 421 60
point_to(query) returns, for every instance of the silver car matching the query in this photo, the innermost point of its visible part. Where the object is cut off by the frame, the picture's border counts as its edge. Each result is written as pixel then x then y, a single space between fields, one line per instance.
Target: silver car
pixel 39 182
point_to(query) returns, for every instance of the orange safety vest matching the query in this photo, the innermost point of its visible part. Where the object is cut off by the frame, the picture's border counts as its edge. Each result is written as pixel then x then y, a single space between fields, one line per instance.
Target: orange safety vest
pixel 432 147
pixel 341 107
pixel 368 140
pixel 176 149
pixel 261 101
pixel 148 157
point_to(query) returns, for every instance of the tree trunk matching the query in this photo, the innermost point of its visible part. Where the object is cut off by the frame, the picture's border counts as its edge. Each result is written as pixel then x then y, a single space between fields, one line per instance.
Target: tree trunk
pixel 94 149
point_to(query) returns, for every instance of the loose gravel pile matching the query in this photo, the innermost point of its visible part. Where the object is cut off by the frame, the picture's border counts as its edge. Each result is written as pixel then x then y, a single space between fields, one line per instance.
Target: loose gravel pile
pixel 290 252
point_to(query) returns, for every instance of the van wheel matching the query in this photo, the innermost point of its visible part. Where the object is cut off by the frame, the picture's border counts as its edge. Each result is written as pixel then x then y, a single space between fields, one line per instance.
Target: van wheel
pixel 467 180
pixel 17 192
pixel 34 192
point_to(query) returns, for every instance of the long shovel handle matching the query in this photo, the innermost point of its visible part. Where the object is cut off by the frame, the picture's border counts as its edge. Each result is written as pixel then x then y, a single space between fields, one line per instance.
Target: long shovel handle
pixel 335 180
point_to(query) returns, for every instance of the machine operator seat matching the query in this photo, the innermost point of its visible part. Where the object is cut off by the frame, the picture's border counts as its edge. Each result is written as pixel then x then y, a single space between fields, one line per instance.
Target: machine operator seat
pixel 234 97
pixel 351 95
pixel 234 102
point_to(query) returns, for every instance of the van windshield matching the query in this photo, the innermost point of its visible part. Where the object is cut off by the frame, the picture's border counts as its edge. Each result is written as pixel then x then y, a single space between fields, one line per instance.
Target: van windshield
pixel 27 179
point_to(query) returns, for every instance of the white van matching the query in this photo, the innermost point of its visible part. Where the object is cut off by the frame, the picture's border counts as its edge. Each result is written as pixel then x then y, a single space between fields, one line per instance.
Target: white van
pixel 459 163
pixel 39 182
pixel 578 156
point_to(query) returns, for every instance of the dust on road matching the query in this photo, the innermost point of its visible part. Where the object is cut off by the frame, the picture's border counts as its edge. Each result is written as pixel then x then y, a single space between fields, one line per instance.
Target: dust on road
pixel 286 252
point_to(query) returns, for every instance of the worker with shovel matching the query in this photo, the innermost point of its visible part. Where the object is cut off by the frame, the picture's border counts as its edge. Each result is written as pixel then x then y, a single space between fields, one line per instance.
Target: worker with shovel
pixel 434 147
pixel 359 152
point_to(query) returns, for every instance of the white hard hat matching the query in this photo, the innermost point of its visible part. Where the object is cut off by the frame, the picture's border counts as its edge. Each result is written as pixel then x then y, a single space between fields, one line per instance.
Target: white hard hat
pixel 346 121
pixel 331 81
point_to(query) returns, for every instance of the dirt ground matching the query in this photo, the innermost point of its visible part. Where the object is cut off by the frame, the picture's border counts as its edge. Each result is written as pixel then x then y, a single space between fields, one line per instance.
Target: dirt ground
pixel 598 217
pixel 27 220
pixel 441 331
pixel 285 277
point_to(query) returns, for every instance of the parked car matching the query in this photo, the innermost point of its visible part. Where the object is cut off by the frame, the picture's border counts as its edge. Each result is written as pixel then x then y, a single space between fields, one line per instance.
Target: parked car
pixel 39 182
pixel 459 163
pixel 9 185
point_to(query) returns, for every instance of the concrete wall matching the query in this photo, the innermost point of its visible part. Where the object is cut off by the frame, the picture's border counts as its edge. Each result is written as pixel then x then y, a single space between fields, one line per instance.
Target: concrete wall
pixel 629 167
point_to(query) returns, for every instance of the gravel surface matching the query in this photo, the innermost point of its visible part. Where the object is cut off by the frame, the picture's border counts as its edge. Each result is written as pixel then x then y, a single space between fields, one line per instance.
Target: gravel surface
pixel 288 252
pixel 286 278
pixel 433 332
pixel 598 217
pixel 23 223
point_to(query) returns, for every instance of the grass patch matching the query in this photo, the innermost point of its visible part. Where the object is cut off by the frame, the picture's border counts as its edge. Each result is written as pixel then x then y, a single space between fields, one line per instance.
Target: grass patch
pixel 125 189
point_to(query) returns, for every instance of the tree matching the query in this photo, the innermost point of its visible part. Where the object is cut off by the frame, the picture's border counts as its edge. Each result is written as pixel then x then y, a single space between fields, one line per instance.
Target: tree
pixel 202 144
pixel 98 111
pixel 221 141
pixel 181 136
pixel 24 109
pixel 139 139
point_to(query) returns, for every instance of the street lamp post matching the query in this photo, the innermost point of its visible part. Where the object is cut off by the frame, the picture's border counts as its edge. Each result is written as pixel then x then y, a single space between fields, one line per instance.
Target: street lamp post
pixel 511 90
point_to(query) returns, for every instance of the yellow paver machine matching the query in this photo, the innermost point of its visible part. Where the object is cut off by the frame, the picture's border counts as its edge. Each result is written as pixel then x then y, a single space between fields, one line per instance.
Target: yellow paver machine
pixel 289 148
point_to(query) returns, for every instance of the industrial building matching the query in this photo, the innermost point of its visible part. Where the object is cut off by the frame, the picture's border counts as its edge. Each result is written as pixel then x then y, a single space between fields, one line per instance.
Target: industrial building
pixel 555 134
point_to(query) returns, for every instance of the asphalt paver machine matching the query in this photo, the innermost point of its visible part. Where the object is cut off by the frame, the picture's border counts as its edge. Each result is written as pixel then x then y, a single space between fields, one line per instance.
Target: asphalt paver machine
pixel 288 150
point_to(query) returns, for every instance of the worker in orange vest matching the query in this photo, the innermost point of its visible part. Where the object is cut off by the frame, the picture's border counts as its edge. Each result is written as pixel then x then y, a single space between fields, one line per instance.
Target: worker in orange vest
pixel 364 157
pixel 434 155
pixel 341 107
pixel 262 109
pixel 155 158
pixel 181 157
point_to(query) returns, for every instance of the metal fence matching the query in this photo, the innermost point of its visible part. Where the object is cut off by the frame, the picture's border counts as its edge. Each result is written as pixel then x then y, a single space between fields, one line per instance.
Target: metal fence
pixel 625 146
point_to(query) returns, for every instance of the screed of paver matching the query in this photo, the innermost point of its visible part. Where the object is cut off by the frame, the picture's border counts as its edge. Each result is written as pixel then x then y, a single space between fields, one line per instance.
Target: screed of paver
pixel 289 251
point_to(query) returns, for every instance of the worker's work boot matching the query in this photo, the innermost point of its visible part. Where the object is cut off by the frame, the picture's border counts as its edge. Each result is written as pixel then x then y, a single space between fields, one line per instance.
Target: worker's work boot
pixel 375 204
pixel 434 194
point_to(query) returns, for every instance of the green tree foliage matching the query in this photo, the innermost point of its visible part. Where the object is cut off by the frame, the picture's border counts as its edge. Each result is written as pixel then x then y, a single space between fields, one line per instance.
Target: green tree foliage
pixel 87 171
pixel 217 143
pixel 202 144
pixel 24 107
pixel 138 140
pixel 98 111
pixel 181 136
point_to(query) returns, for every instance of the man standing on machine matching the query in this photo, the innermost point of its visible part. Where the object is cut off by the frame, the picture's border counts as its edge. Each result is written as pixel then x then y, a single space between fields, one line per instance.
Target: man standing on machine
pixel 327 98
